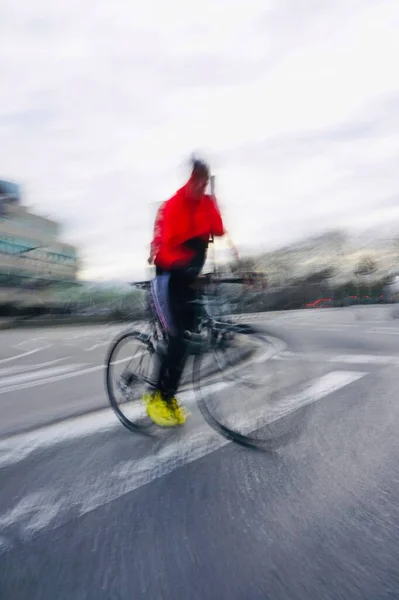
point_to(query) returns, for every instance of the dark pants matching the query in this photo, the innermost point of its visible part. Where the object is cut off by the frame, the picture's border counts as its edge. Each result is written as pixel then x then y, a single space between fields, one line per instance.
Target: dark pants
pixel 172 291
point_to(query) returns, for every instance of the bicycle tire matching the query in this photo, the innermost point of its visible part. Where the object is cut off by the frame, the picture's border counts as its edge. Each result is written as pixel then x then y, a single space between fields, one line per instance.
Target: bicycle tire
pixel 261 428
pixel 138 420
pixel 225 355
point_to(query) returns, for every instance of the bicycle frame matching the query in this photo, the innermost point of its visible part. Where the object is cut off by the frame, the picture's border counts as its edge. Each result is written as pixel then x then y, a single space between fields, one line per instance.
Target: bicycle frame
pixel 207 330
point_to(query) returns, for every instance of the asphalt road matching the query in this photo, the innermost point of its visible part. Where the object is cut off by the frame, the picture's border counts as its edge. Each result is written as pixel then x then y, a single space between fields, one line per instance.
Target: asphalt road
pixel 90 511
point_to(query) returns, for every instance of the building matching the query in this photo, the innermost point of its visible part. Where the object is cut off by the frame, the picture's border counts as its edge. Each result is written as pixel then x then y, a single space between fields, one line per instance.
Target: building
pixel 34 261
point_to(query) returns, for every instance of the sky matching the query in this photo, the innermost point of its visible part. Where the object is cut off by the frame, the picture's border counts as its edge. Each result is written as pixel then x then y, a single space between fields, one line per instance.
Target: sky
pixel 294 102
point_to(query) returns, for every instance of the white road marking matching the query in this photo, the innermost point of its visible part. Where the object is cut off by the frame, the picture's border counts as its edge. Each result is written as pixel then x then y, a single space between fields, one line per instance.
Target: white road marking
pixel 381 328
pixel 60 500
pixel 77 371
pixel 26 368
pixel 338 328
pixel 317 390
pixel 352 359
pixel 365 359
pixel 29 341
pixel 11 380
pixel 23 354
pixel 98 345
pixel 382 332
pixel 17 447
pixel 80 334
pixel 4 543
pixel 52 378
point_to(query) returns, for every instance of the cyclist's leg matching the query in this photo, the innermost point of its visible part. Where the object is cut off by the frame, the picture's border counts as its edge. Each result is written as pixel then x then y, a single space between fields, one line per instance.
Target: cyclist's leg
pixel 169 299
pixel 161 411
pixel 180 293
pixel 160 300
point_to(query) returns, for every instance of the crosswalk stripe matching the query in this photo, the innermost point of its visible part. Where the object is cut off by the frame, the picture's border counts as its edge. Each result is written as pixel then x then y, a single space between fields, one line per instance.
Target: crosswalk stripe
pixel 39 509
pixel 17 447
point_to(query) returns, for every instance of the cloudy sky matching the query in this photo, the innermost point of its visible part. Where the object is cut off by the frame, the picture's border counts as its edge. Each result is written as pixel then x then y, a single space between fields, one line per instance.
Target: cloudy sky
pixel 296 103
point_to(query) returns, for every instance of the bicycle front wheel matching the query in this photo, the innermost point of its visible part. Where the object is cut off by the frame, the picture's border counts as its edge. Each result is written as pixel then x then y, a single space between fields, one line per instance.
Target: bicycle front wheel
pixel 129 369
pixel 245 403
pixel 239 345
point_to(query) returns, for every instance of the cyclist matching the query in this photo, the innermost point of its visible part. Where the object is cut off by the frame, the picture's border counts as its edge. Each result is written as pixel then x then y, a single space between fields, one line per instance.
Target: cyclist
pixel 183 228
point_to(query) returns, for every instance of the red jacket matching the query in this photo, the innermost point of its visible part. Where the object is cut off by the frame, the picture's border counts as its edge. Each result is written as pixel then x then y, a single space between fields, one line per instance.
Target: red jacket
pixel 180 219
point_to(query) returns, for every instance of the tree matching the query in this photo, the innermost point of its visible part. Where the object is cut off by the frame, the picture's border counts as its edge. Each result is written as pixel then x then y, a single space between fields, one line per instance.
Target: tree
pixel 366 267
pixel 320 276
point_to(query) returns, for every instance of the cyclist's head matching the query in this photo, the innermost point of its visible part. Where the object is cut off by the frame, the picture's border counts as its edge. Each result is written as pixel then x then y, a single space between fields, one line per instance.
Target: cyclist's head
pixel 199 177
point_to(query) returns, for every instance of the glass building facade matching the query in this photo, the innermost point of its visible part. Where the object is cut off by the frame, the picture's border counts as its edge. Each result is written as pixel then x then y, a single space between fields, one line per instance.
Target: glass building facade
pixel 32 254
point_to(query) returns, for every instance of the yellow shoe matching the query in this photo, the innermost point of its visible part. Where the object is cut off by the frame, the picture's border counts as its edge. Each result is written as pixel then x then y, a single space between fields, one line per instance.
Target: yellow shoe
pixel 148 396
pixel 161 412
pixel 181 412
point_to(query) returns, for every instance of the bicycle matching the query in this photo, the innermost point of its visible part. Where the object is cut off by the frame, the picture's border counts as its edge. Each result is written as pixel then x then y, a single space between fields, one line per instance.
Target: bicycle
pixel 234 356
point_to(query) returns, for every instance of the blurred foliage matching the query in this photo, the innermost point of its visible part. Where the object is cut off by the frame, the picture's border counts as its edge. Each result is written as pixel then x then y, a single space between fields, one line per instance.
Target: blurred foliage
pixel 366 266
pixel 85 301
pixel 284 279
pixel 123 305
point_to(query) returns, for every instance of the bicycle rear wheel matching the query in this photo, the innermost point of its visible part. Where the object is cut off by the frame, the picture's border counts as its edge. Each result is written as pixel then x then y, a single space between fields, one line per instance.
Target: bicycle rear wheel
pixel 129 367
pixel 250 403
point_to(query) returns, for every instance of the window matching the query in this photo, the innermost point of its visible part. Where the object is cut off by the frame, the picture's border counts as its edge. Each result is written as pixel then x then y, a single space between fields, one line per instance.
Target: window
pixel 32 250
pixel 9 245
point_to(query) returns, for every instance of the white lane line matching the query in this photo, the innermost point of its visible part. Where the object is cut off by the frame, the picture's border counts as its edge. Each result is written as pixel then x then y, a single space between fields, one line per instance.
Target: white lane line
pixel 28 342
pixel 60 501
pixel 54 378
pixel 29 353
pixel 4 543
pixel 317 390
pixel 381 332
pixel 315 327
pixel 381 328
pixel 51 379
pixel 50 372
pixel 365 359
pixel 77 372
pixel 26 368
pixel 86 334
pixel 351 359
pixel 338 328
pixel 98 345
